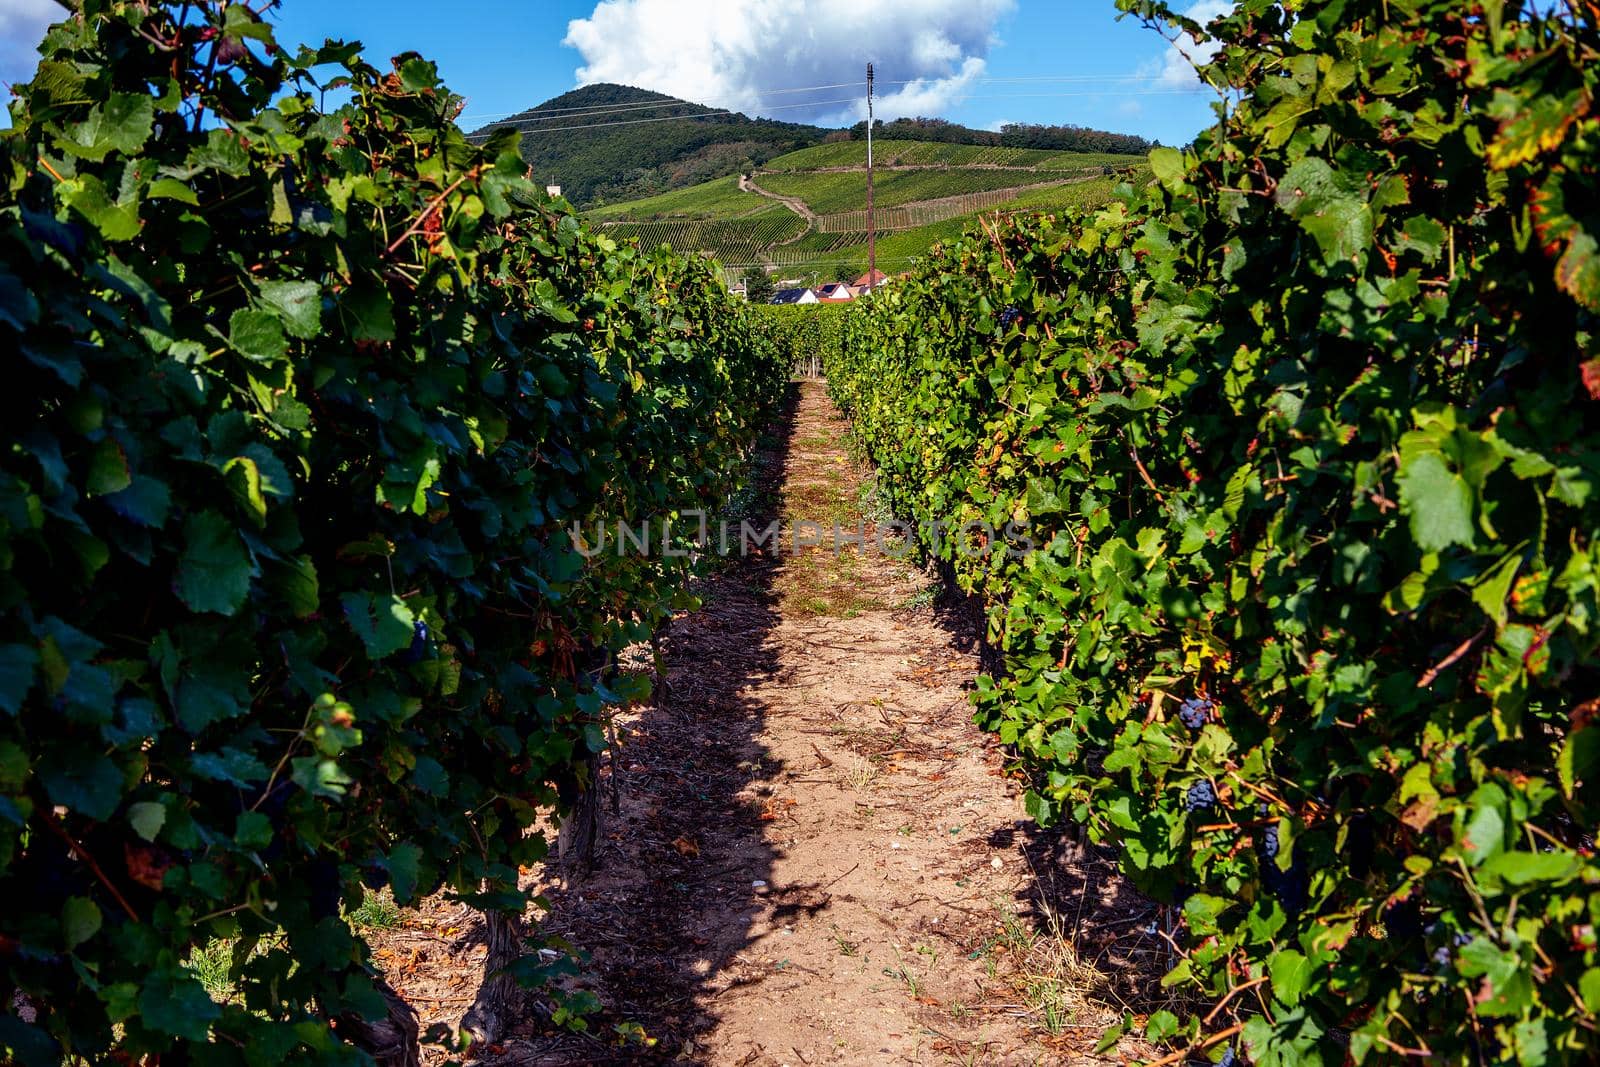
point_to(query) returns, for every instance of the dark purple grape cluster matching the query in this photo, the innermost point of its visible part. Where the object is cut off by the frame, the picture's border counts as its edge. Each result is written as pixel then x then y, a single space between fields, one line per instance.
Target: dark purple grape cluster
pixel 419 642
pixel 1009 316
pixel 1195 712
pixel 1443 954
pixel 1201 797
pixel 1228 1058
pixel 1290 887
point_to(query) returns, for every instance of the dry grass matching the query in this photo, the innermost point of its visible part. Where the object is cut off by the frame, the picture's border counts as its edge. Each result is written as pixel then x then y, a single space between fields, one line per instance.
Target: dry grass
pixel 1058 989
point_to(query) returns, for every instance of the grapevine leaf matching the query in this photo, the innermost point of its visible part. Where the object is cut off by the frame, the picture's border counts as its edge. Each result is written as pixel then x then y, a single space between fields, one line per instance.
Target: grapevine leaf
pixel 145 501
pixel 1507 986
pixel 86 783
pixel 320 777
pixel 19 308
pixel 121 124
pixel 1423 235
pixel 1330 205
pixel 252 831
pixel 215 569
pixel 1438 502
pixel 296 581
pixel 1578 269
pixel 108 469
pixel 220 152
pixel 172 189
pixel 257 334
pixel 173 1002
pixel 1523 868
pixel 17 663
pixel 30 1045
pixel 1167 165
pixel 1161 1025
pixel 1484 835
pixel 117 220
pixel 298 304
pixel 1532 1040
pixel 244 477
pixel 1579 760
pixel 430 777
pixel 235 767
pixel 383 623
pixel 404 861
pixel 369 313
pixel 1532 124
pixel 147 817
pixel 1573 242
pixel 80 920
pixel 1492 590
pixel 56 83
pixel 1589 989
pixel 1291 975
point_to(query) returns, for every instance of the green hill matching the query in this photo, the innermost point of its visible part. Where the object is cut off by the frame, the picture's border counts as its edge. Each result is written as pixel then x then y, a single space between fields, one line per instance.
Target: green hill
pixel 606 144
pixel 720 199
pixel 803 213
pixel 598 153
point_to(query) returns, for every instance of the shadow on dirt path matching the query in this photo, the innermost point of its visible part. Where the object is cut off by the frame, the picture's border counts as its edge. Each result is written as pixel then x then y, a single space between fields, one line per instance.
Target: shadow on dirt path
pixel 818 858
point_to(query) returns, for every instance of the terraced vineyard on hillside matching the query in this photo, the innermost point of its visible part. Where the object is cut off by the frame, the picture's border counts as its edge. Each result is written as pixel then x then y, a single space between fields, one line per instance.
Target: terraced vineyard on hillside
pixel 936 153
pixel 804 213
pixel 743 239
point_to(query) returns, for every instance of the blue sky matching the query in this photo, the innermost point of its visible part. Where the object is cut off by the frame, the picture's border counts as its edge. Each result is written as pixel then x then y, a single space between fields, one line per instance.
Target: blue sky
pixel 979 62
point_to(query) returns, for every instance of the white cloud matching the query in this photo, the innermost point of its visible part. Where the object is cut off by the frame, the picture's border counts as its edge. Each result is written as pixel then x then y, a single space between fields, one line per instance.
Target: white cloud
pixel 726 52
pixel 1181 57
pixel 22 26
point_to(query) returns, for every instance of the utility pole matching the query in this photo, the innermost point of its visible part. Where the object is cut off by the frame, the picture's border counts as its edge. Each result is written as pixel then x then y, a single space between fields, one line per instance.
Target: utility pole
pixel 872 227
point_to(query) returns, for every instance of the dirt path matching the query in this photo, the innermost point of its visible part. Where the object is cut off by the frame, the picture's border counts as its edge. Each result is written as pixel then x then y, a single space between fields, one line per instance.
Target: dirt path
pixel 818 858
pixel 793 203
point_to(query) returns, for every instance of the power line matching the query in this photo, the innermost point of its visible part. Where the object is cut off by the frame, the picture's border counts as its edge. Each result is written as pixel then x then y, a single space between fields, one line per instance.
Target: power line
pixel 594 111
pixel 591 111
pixel 628 122
pixel 679 118
pixel 1119 92
pixel 1051 78
pixel 848 100
pixel 533 114
pixel 632 122
pixel 548 114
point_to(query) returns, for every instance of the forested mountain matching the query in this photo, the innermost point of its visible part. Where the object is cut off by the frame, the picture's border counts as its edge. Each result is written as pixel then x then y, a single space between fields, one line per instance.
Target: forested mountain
pixel 607 143
pixel 599 154
pixel 1011 135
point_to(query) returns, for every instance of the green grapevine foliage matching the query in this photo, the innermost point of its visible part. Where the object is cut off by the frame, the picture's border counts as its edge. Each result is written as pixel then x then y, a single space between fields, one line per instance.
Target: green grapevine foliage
pixel 303 404
pixel 1308 436
pixel 800 332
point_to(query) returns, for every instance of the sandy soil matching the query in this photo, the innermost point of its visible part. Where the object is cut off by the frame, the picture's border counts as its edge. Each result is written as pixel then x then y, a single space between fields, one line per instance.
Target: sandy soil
pixel 817 858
